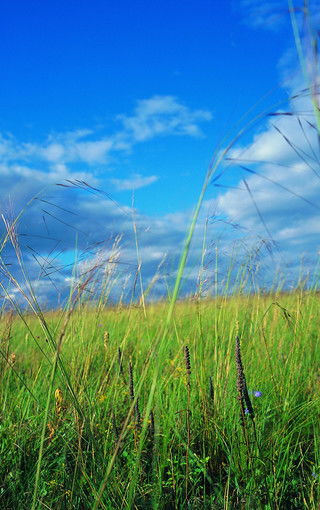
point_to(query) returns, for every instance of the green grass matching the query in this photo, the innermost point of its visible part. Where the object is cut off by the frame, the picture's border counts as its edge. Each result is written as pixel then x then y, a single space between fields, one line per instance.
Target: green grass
pixel 106 448
pixel 142 406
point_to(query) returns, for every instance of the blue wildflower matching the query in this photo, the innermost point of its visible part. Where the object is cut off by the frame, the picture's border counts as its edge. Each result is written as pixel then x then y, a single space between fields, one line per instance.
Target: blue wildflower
pixel 256 393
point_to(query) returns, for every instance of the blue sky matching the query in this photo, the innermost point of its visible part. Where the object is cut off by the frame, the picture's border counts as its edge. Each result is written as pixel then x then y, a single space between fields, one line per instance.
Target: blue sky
pixel 137 95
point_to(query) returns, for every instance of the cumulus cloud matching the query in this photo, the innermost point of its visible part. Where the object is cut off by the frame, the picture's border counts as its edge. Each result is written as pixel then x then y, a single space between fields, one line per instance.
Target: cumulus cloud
pixel 280 168
pixel 279 194
pixel 156 116
pixel 32 169
pixel 163 115
pixel 136 181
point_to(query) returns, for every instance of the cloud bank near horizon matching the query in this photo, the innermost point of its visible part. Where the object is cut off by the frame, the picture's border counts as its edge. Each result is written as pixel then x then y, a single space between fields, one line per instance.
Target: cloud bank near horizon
pixel 270 218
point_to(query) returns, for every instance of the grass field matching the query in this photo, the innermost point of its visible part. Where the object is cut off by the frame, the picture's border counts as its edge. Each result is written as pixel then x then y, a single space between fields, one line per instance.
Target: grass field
pixel 118 409
pixel 192 404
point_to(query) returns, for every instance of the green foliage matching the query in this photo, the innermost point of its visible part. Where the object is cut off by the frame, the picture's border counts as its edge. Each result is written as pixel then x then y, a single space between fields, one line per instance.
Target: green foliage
pixel 106 446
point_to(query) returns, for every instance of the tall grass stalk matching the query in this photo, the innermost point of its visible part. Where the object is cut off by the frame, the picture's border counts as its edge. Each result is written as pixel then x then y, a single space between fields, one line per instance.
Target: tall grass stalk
pixel 312 85
pixel 35 502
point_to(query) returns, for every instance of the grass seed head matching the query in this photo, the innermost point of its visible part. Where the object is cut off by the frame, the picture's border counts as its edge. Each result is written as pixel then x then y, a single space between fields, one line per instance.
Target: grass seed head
pixel 106 337
pixel 12 359
pixel 243 395
pixel 58 395
pixel 187 360
pixel 131 385
pixel 51 432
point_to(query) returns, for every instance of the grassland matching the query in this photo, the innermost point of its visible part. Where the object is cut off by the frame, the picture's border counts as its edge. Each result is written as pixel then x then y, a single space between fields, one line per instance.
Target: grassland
pixel 198 404
pixel 107 408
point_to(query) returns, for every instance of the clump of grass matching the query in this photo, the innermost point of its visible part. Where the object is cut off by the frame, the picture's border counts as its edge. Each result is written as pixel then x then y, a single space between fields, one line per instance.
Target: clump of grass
pixel 181 456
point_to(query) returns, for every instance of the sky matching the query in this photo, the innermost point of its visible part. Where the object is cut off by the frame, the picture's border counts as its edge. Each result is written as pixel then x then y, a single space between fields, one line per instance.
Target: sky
pixel 135 99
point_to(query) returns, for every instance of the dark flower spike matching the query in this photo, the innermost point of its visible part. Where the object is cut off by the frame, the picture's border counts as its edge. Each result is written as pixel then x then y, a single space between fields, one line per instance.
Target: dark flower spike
pixel 241 383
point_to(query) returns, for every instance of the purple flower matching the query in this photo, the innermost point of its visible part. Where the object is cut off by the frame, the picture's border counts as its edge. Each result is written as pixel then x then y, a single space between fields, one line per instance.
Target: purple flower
pixel 256 393
pixel 246 411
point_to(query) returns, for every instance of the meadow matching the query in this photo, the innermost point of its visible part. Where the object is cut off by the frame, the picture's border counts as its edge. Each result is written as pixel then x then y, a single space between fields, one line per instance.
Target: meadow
pixel 117 408
pixel 196 403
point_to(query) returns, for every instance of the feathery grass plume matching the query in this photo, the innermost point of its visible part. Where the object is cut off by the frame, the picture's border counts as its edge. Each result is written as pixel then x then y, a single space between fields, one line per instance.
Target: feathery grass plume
pixel 12 359
pixel 106 337
pixel 188 372
pixel 58 395
pixel 51 432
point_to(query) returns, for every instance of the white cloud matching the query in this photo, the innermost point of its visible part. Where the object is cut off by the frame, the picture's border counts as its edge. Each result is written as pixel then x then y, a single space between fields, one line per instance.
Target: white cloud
pixel 264 14
pixel 136 181
pixel 156 116
pixel 67 149
pixel 92 152
pixel 53 152
pixel 70 217
pixel 163 115
pixel 289 158
pixel 274 14
pixel 301 229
